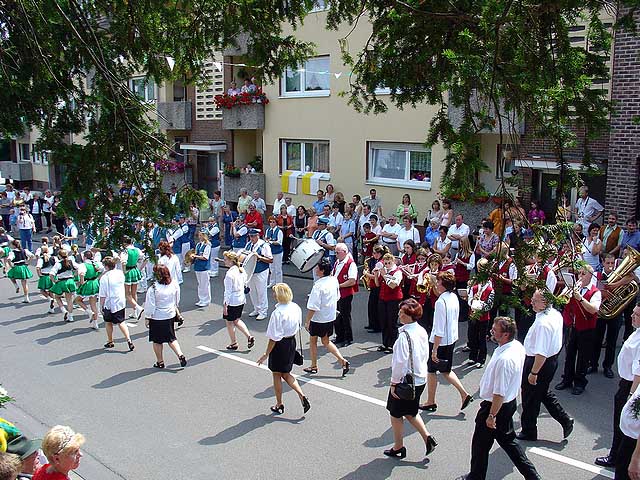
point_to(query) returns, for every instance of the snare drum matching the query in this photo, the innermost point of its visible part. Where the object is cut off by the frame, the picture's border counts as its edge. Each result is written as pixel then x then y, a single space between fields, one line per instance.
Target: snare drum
pixel 248 261
pixel 307 255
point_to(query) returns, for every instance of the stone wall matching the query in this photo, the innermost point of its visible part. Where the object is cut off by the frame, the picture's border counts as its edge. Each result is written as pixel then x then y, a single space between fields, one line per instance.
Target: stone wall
pixel 250 181
pixel 624 147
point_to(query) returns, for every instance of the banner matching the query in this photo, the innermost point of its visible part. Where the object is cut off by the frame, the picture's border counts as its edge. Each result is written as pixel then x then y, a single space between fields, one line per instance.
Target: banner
pixel 306 184
pixel 289 182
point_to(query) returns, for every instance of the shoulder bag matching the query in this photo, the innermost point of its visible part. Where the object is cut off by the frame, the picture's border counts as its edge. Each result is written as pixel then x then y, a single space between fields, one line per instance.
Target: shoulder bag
pixel 406 389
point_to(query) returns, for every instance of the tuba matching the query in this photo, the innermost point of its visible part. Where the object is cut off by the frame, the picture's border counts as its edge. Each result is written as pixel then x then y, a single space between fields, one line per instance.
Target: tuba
pixel 188 257
pixel 621 296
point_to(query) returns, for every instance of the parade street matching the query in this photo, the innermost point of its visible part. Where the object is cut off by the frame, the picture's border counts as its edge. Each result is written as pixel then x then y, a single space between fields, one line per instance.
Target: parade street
pixel 212 418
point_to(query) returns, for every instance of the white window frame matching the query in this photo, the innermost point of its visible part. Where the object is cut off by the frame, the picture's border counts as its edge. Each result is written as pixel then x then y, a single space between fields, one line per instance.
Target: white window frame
pixel 283 159
pixel 147 83
pixel 302 92
pixel 393 182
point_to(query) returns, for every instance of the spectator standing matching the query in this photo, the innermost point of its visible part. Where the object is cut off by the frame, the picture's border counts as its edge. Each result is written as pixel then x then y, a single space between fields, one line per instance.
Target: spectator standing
pixel 631 237
pixel 285 222
pixel 216 205
pixel 278 202
pixel 228 218
pixel 233 89
pixel 61 445
pixel 5 210
pixel 300 222
pixel 320 202
pixel 592 247
pixel 374 202
pixel 407 232
pixel 47 201
pixel 456 232
pixel 447 213
pixel 442 245
pixel 312 222
pixel 291 208
pixel 253 219
pixel 611 235
pixel 587 209
pixel 339 199
pixel 244 200
pixel 329 194
pixel 432 232
pixel 27 227
pixel 435 213
pixel 488 240
pixel 35 206
pixel 407 208
pixel 536 214
pixel 389 234
pixel 259 203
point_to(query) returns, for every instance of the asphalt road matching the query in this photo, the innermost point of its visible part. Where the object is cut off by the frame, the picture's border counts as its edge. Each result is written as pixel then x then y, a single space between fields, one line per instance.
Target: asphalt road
pixel 212 419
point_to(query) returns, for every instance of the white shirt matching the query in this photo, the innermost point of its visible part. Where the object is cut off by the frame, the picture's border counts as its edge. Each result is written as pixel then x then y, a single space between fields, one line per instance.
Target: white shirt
pixel 441 244
pixel 277 204
pixel 353 268
pixel 630 426
pixel 462 230
pixel 48 201
pixel 261 207
pixel 545 335
pixel 335 220
pixel 284 321
pixel 394 230
pixel 234 283
pixel 325 236
pixel 590 258
pixel 629 357
pixel 265 251
pixel 66 274
pixel 587 208
pixel 173 264
pixel 26 222
pixel 179 230
pixel 112 290
pixel 323 299
pixel 11 195
pixel 400 364
pixel 513 271
pixel 404 235
pixel 291 210
pixel 46 270
pixel 73 232
pixel 362 220
pixel 36 208
pixel 503 374
pixel 445 319
pixel 161 301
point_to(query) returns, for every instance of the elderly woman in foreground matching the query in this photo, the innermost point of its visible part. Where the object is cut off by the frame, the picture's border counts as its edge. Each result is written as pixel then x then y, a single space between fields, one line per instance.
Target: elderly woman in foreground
pixel 61 445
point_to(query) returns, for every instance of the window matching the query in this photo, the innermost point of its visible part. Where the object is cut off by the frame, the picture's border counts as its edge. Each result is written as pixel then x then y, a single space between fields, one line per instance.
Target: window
pixel 308 81
pixel 144 88
pixel 36 156
pixel 305 156
pixel 319 6
pixel 25 154
pixel 399 164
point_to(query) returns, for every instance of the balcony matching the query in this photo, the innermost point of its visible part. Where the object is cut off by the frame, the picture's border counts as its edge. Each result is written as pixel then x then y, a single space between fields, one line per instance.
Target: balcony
pixel 174 115
pixel 510 122
pixel 243 117
pixel 21 171
pixel 240 47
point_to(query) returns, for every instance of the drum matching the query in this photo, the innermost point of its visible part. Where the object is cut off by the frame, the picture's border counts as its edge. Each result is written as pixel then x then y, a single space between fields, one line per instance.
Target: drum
pixel 307 255
pixel 248 261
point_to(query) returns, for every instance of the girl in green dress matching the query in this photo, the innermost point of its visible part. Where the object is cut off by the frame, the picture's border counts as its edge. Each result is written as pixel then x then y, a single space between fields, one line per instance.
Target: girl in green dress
pixel 64 285
pixel 45 263
pixel 20 270
pixel 5 249
pixel 132 275
pixel 89 286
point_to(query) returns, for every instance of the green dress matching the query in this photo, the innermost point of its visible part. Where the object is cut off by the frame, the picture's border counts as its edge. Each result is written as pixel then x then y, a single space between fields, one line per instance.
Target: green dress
pixel 91 285
pixel 20 270
pixel 66 284
pixel 132 274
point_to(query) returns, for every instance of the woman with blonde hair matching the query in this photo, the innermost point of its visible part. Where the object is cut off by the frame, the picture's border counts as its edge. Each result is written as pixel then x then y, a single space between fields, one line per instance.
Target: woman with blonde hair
pixel 234 299
pixel 61 445
pixel 284 323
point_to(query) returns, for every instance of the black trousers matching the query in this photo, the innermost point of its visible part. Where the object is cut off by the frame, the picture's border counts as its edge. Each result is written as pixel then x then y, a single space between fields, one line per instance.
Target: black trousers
pixel 619 399
pixel 286 249
pixel 37 217
pixel 627 446
pixel 372 310
pixel 477 340
pixel 483 438
pixel 524 320
pixel 628 328
pixel 388 317
pixel 59 223
pixel 47 217
pixel 464 306
pixel 344 332
pixel 579 350
pixel 611 327
pixel 539 394
pixel 5 222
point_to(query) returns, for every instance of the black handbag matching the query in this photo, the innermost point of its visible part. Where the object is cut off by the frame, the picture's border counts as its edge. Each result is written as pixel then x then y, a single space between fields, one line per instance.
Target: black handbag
pixel 406 389
pixel 298 357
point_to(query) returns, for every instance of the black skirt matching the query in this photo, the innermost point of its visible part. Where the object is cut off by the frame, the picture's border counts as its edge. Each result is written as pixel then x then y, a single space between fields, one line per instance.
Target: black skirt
pixel 162 331
pixel 281 357
pixel 445 352
pixel 234 312
pixel 113 317
pixel 399 408
pixel 321 330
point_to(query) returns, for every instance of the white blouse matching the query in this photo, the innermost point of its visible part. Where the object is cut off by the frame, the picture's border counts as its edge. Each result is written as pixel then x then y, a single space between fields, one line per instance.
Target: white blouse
pixel 112 290
pixel 173 264
pixel 445 319
pixel 161 301
pixel 284 322
pixel 400 364
pixel 234 283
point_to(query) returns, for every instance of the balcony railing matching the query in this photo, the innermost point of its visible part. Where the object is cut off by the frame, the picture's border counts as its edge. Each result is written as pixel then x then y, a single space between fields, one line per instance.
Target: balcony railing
pixel 20 171
pixel 240 48
pixel 244 117
pixel 174 115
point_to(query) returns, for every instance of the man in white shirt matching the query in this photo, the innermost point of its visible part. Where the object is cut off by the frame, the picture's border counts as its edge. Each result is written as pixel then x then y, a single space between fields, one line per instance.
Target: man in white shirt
pixel 278 202
pixel 389 234
pixel 321 314
pixel 542 345
pixel 364 218
pixel 335 219
pixel 346 271
pixel 456 232
pixel 113 301
pixel 259 203
pixel 11 193
pixel 291 208
pixel 499 389
pixel 587 209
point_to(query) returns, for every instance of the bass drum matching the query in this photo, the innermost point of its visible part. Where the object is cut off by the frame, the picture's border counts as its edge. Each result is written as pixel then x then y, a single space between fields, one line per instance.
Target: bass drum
pixel 307 255
pixel 248 261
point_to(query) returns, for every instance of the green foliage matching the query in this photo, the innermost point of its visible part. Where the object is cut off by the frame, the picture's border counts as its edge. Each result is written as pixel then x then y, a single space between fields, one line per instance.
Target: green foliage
pixel 257 163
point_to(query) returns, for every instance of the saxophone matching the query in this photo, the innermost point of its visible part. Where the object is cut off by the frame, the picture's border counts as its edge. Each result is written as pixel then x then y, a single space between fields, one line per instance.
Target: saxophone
pixel 365 271
pixel 622 295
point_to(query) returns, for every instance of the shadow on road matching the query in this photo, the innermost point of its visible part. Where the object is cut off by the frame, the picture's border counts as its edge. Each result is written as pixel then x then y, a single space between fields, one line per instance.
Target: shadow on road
pixel 382 468
pixel 244 427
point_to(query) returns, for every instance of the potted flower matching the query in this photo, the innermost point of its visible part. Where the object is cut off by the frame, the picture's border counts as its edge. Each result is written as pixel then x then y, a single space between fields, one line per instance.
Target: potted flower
pixel 231 171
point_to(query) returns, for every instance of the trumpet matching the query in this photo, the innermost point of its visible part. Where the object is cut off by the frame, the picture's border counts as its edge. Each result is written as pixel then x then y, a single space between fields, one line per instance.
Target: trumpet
pixel 365 272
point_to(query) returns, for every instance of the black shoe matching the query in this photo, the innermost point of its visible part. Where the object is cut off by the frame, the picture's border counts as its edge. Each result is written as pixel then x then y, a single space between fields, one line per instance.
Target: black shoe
pixel 382 348
pixel 608 372
pixel 526 437
pixel 345 367
pixel 465 403
pixel 158 365
pixel 305 404
pixel 428 408
pixel 463 477
pixel 607 461
pixel 567 428
pixel 431 444
pixel 563 385
pixel 591 370
pixel 577 390
pixel 279 409
pixel 465 349
pixel 401 453
pixel 183 361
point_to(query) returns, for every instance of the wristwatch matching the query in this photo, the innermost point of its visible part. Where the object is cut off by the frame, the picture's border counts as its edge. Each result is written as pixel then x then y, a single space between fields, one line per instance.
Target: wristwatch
pixel 534 374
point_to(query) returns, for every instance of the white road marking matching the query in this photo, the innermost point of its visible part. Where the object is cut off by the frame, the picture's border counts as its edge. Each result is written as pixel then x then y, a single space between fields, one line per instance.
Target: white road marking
pixel 536 450
pixel 570 461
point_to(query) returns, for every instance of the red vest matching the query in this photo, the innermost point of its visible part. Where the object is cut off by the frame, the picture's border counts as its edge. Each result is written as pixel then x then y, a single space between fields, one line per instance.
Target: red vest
pixel 343 276
pixel 504 270
pixel 387 293
pixel 484 297
pixel 462 274
pixel 575 315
